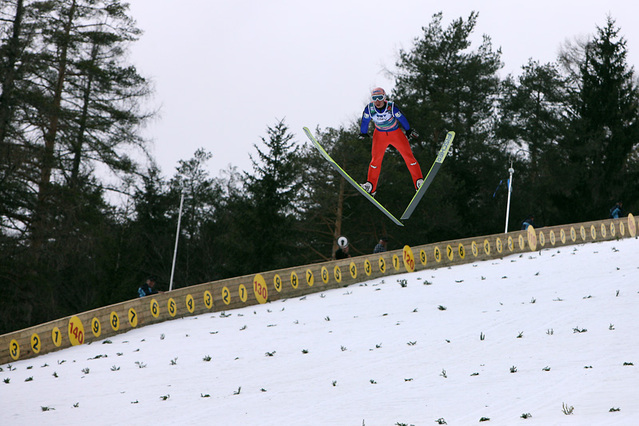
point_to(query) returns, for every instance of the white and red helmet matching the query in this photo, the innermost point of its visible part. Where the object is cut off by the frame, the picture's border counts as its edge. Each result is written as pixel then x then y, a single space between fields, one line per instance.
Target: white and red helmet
pixel 378 94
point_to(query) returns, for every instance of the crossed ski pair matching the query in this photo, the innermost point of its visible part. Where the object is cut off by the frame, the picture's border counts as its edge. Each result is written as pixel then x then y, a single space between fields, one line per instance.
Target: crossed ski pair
pixel 418 195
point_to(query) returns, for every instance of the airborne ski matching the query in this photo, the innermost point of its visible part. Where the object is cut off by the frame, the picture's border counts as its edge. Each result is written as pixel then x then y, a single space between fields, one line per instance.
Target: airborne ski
pixel 430 176
pixel 350 179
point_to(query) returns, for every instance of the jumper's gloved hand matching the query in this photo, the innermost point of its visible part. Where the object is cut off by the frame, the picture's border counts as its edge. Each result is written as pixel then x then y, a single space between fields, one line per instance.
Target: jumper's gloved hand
pixel 363 136
pixel 411 134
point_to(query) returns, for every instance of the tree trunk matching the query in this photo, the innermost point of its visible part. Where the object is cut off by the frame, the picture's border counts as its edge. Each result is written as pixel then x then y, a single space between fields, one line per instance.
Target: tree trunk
pixel 6 97
pixel 79 141
pixel 48 156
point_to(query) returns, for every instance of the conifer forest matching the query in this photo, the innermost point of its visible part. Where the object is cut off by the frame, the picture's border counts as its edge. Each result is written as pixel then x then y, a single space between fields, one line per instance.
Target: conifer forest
pixel 86 216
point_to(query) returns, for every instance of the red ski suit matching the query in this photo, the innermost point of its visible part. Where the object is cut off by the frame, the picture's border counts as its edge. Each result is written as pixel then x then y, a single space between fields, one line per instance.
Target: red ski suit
pixel 387 132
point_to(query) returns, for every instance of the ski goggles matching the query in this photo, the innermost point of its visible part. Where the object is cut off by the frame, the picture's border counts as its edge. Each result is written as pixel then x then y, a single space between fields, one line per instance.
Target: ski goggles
pixel 378 97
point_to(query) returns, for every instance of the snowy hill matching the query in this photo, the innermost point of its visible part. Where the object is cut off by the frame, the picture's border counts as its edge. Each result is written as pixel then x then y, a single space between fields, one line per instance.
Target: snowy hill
pixel 542 338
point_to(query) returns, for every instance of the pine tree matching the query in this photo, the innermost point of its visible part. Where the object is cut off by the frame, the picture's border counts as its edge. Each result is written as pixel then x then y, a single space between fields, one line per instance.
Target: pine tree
pixel 69 105
pixel 533 111
pixel 605 130
pixel 443 85
pixel 260 223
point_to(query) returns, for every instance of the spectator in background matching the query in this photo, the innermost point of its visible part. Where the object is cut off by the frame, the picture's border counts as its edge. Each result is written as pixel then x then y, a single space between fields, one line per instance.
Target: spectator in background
pixel 342 251
pixel 529 221
pixel 617 210
pixel 147 288
pixel 381 245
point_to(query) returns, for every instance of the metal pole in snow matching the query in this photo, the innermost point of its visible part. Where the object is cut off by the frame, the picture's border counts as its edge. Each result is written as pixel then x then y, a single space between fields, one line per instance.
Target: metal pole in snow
pixel 510 190
pixel 177 237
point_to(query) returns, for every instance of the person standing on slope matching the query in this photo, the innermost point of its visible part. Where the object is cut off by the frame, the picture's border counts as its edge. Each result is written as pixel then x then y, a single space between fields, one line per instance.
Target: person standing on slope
pixel 387 117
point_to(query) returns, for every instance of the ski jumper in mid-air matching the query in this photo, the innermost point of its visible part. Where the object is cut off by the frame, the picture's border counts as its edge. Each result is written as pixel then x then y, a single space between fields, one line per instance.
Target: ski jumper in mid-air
pixel 387 117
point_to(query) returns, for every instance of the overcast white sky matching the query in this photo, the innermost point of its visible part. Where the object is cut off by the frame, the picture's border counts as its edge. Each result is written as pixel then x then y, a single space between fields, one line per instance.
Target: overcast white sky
pixel 225 70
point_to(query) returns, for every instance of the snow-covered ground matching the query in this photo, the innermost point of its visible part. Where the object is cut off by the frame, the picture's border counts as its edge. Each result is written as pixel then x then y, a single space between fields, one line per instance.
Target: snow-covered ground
pixel 526 339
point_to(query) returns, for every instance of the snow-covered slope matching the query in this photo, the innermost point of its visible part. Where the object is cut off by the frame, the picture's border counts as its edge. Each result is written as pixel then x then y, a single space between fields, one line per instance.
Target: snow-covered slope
pixel 519 340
